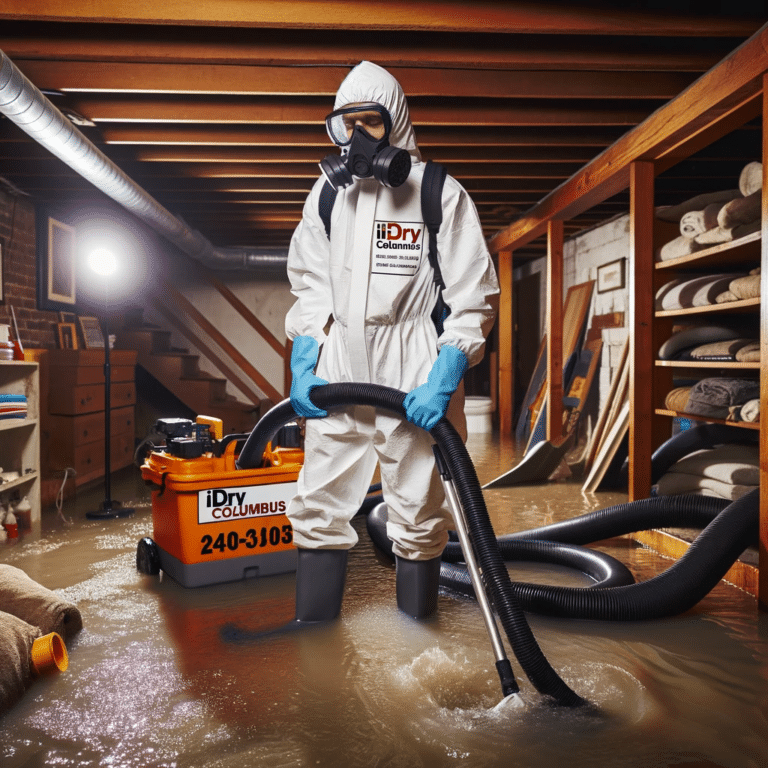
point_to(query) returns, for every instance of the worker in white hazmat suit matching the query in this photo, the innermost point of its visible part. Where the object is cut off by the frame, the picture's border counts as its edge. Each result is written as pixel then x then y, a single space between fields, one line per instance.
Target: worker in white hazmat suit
pixel 371 286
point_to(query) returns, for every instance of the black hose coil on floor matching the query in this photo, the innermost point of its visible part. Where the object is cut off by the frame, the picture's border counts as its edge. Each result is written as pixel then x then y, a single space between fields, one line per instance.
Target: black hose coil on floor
pixel 527 651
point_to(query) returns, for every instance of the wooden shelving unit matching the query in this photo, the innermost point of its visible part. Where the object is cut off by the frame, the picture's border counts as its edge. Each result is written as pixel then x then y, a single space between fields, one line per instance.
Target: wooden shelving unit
pixel 20 438
pixel 725 98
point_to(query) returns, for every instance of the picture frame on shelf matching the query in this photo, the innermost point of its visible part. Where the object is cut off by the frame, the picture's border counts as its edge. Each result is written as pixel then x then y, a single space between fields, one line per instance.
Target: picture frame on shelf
pixel 67 335
pixel 56 262
pixel 610 276
pixel 93 338
pixel 68 317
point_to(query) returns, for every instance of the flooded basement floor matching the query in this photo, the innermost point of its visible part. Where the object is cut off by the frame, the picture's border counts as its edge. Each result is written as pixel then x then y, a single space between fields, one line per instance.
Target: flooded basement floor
pixel 166 676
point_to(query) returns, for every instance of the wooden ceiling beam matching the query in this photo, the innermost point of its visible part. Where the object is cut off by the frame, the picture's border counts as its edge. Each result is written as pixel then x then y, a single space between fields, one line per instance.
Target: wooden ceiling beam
pixel 54 168
pixel 353 15
pixel 448 155
pixel 120 77
pixel 297 135
pixel 278 110
pixel 488 50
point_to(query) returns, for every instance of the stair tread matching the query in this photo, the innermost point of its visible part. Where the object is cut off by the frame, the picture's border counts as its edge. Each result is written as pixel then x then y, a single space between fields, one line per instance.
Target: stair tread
pixel 201 377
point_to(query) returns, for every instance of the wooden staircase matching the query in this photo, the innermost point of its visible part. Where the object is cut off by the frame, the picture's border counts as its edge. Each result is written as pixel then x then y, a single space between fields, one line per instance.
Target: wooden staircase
pixel 178 371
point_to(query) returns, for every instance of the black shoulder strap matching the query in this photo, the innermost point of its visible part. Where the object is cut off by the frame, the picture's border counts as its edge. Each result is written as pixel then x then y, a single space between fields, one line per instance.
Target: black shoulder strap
pixel 325 206
pixel 432 211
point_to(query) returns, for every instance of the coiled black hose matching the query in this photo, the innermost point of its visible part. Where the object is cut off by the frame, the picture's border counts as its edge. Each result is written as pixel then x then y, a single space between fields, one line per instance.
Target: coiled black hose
pixel 527 651
pixel 605 570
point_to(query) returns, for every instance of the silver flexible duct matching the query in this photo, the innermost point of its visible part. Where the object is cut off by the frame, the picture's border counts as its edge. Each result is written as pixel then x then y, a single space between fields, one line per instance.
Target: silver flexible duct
pixel 24 104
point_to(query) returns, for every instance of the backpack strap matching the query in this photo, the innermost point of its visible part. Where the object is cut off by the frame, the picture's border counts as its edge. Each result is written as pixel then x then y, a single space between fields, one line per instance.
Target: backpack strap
pixel 432 211
pixel 325 206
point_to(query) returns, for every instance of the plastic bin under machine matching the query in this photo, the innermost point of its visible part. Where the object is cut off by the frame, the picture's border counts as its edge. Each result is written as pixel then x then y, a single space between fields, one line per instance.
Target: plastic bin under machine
pixel 213 522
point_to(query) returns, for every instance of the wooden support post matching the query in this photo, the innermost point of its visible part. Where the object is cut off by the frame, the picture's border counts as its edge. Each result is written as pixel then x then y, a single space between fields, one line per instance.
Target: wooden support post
pixel 555 330
pixel 506 390
pixel 641 352
pixel 762 588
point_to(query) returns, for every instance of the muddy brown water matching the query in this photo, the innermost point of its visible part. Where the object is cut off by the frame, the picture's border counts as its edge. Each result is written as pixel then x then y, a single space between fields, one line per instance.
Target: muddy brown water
pixel 167 676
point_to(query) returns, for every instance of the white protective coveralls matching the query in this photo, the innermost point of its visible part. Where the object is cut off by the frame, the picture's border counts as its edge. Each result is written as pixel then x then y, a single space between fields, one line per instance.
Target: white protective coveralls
pixel 382 333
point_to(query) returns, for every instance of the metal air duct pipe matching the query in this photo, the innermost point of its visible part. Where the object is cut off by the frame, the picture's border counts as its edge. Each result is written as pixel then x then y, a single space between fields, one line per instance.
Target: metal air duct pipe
pixel 24 104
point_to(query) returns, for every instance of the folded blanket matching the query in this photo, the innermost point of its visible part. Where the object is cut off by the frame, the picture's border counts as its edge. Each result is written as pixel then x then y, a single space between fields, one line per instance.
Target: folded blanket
pixel 751 178
pixel 676 212
pixel 725 297
pixel 26 599
pixel 674 483
pixel 677 399
pixel 749 353
pixel 750 411
pixel 747 287
pixel 695 222
pixel 16 638
pixel 742 210
pixel 722 350
pixel 695 292
pixel 729 463
pixel 677 248
pixel 755 271
pixel 691 337
pixel 716 397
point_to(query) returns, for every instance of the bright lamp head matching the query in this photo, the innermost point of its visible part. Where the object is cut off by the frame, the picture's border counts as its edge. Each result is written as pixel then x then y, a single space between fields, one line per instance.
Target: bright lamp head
pixel 102 261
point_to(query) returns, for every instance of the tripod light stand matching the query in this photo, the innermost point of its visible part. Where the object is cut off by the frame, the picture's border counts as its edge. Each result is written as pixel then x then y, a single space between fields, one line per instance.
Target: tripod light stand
pixel 104 264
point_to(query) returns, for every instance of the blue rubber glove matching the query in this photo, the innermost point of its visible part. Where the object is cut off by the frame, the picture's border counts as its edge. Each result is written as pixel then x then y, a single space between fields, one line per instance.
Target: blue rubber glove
pixel 303 360
pixel 427 404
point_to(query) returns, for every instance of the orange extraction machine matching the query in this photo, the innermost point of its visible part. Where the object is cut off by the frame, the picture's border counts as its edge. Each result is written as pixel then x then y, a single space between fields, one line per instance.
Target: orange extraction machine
pixel 212 522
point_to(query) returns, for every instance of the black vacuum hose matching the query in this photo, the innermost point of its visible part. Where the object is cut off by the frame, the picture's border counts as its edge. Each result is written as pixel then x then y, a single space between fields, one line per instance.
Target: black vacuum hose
pixel 729 528
pixel 603 569
pixel 495 575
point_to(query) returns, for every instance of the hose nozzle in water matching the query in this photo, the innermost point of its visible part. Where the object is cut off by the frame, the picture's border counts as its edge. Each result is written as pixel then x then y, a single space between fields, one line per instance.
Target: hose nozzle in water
pixel 509 686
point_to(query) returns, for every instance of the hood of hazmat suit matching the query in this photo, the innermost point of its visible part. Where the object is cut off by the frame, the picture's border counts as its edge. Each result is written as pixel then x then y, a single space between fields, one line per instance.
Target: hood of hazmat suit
pixel 366 296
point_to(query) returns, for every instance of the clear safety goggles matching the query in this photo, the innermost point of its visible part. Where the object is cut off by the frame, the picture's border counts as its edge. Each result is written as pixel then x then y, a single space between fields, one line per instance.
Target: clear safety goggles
pixel 372 117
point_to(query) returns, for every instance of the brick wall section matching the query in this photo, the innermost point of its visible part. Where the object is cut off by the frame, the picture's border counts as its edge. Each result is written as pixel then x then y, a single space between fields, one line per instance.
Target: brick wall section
pixel 17 235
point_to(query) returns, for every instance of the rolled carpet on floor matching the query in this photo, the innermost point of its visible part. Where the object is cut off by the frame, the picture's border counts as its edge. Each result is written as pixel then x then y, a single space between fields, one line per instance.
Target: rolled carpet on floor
pixel 33 603
pixel 16 639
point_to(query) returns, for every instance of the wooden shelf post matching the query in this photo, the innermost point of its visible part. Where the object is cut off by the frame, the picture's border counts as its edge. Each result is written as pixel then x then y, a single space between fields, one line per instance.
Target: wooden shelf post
pixel 506 391
pixel 554 329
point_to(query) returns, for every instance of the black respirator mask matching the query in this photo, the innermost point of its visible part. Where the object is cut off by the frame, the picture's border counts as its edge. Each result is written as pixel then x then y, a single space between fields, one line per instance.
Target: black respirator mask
pixel 362 132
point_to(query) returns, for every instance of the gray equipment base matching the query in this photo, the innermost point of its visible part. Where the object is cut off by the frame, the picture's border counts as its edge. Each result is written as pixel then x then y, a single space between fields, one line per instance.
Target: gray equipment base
pixel 231 569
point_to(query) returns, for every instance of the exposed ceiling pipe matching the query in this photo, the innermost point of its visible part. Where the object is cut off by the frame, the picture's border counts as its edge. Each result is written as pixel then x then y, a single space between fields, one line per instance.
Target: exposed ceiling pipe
pixel 24 104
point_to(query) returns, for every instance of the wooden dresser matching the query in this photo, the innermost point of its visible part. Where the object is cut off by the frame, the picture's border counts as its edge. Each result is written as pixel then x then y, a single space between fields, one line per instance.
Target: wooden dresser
pixel 75 422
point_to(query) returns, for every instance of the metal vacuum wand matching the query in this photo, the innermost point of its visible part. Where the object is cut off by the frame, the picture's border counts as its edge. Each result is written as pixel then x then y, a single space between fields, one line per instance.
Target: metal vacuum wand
pixel 509 686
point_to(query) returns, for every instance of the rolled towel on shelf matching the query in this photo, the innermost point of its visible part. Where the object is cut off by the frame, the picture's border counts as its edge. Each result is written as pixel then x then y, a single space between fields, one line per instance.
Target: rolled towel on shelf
pixel 751 178
pixel 674 213
pixel 695 292
pixel 694 336
pixel 677 248
pixel 742 210
pixel 749 353
pixel 718 397
pixel 747 287
pixel 715 236
pixel 725 297
pixel 677 399
pixel 750 411
pixel 695 222
pixel 674 483
pixel 728 463
pixel 41 607
pixel 720 350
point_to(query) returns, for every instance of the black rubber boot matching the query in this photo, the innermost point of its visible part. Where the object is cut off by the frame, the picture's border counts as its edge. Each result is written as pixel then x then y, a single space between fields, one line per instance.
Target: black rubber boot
pixel 320 576
pixel 417 582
